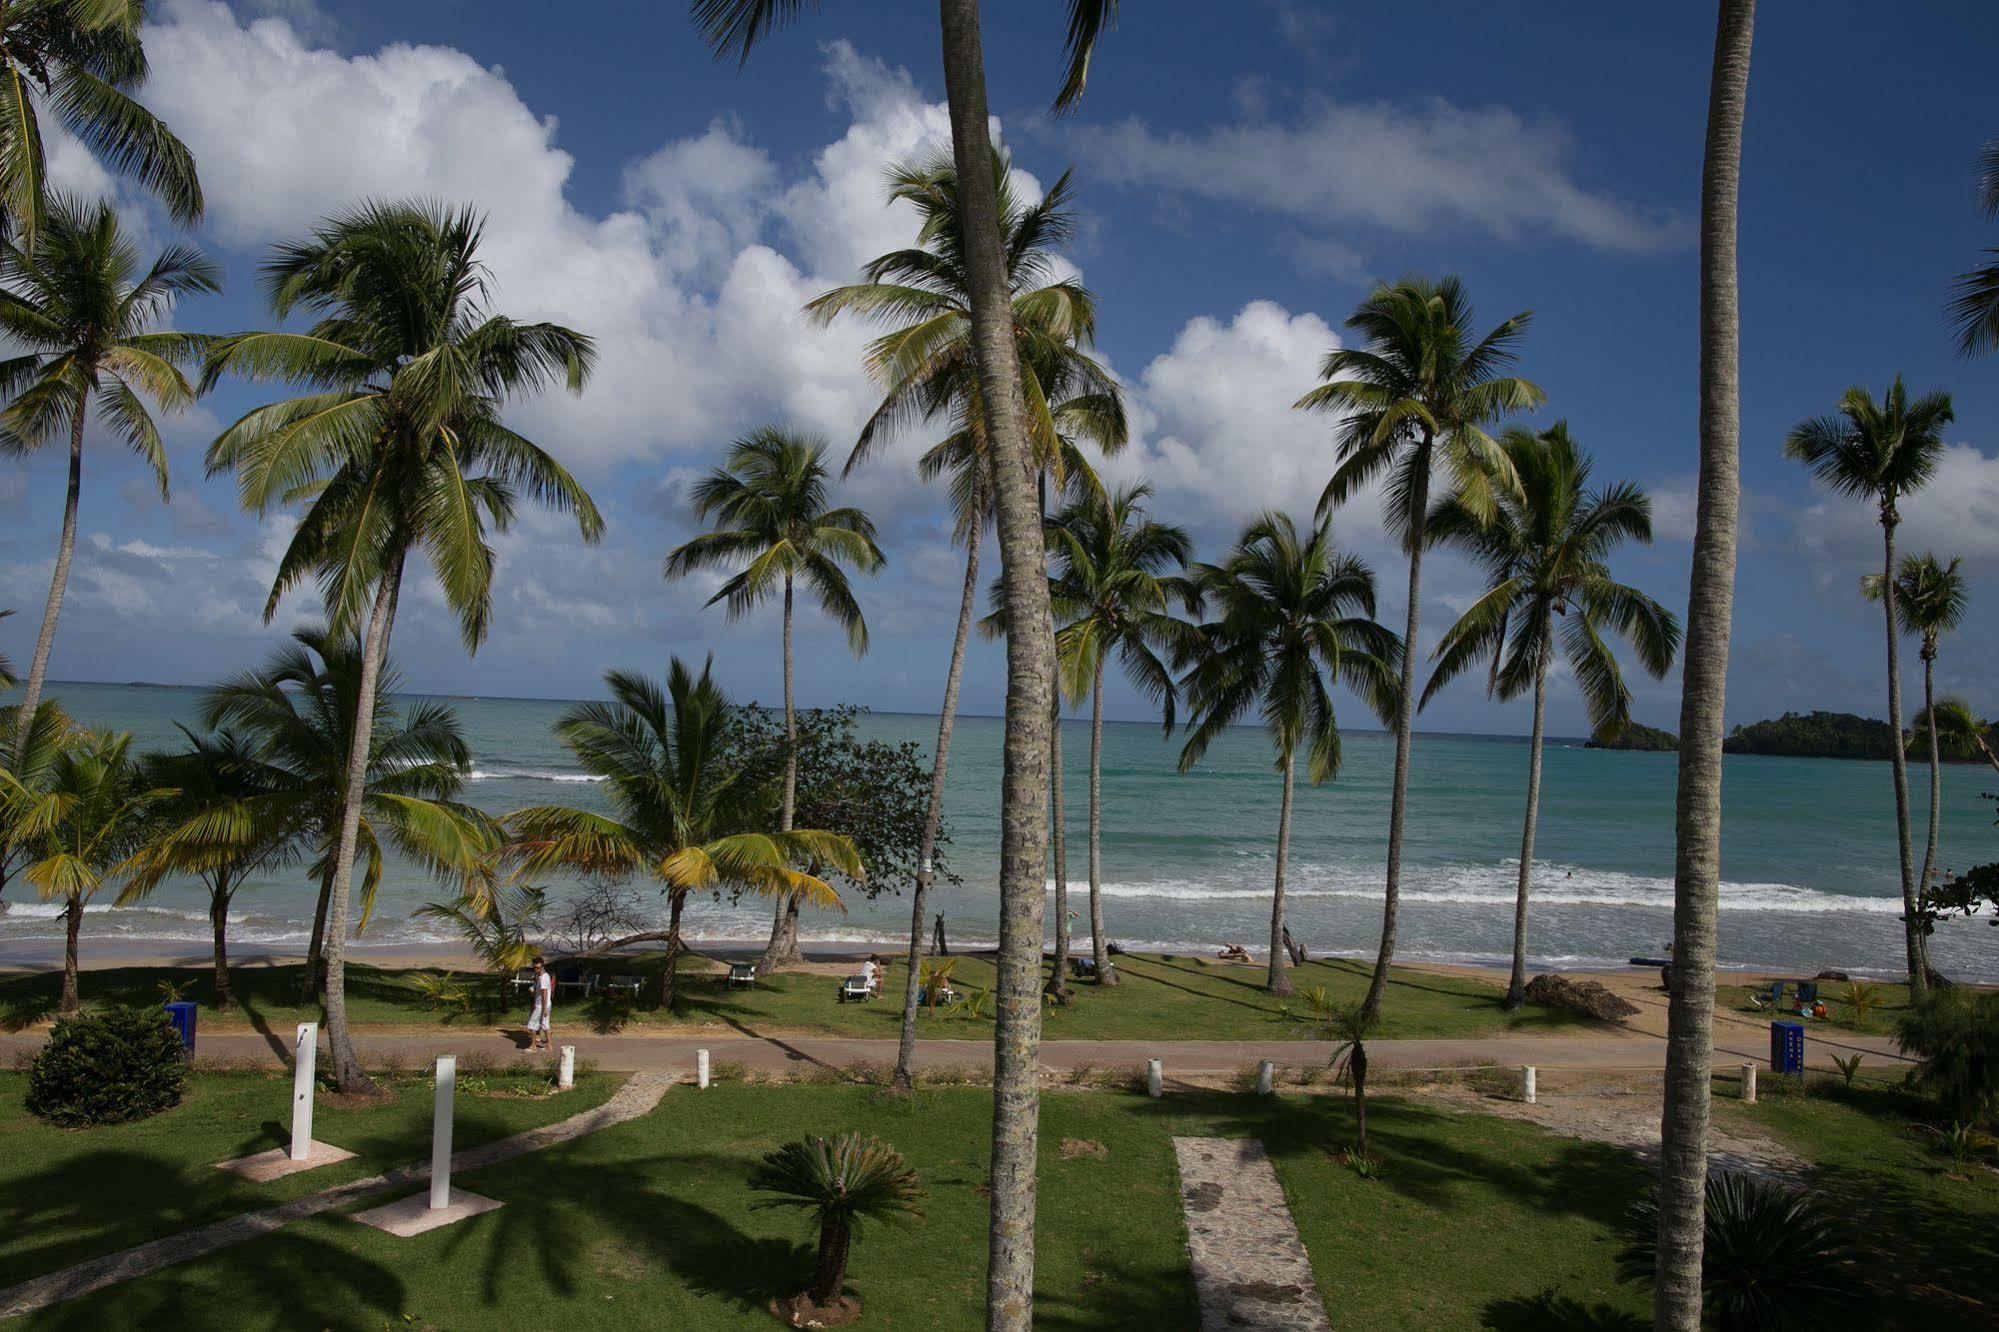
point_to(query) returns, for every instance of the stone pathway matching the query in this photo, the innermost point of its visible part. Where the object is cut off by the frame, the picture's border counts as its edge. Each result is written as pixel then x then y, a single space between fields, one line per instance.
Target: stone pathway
pixel 637 1097
pixel 1250 1267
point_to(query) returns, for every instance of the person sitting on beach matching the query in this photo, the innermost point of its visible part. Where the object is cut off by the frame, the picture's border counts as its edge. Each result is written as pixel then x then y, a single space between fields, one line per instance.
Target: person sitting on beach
pixel 871 974
pixel 543 989
pixel 1234 952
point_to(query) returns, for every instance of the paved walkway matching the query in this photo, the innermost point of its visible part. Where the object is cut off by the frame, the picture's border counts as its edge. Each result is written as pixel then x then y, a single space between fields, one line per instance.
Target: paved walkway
pixel 637 1097
pixel 1250 1268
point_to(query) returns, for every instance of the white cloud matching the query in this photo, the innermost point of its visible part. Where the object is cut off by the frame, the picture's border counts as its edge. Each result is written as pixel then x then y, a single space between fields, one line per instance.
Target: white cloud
pixel 1957 513
pixel 1443 169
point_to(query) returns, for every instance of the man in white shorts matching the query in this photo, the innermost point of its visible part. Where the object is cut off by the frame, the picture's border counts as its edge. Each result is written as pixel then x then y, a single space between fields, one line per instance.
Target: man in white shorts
pixel 543 990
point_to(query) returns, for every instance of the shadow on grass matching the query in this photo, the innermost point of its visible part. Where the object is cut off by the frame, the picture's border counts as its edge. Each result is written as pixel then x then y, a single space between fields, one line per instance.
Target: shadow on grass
pixel 1549 1312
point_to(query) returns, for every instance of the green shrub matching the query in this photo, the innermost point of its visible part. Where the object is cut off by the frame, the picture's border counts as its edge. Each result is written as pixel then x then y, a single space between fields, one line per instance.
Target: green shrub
pixel 1955 1033
pixel 108 1068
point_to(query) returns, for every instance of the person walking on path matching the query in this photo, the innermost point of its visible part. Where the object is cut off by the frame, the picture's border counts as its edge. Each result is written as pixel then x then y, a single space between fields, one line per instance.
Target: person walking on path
pixel 544 1005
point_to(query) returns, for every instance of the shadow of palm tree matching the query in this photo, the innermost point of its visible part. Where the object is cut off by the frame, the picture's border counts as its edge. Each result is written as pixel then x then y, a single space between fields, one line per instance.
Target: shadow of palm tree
pixel 1549 1312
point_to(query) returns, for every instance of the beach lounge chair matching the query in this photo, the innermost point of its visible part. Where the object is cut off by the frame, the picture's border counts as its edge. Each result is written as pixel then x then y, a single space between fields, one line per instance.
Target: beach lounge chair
pixel 522 979
pixel 625 985
pixel 742 975
pixel 1082 968
pixel 855 987
pixel 1808 993
pixel 945 994
pixel 574 978
pixel 1774 996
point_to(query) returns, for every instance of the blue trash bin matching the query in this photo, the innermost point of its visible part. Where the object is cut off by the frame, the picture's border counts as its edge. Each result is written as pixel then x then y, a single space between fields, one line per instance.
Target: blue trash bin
pixel 181 1014
pixel 1787 1047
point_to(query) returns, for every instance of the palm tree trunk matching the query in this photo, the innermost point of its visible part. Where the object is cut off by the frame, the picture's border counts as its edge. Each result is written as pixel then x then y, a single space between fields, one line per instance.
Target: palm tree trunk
pixel 1058 818
pixel 72 924
pixel 1357 1062
pixel 1898 760
pixel 348 1075
pixel 1030 654
pixel 1099 945
pixel 1936 801
pixel 38 669
pixel 1516 985
pixel 782 950
pixel 218 919
pixel 315 954
pixel 1279 981
pixel 1405 718
pixel 669 983
pixel 933 816
pixel 1683 1123
pixel 829 1271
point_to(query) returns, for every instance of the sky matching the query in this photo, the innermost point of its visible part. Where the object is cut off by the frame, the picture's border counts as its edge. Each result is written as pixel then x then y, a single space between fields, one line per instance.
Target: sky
pixel 1244 175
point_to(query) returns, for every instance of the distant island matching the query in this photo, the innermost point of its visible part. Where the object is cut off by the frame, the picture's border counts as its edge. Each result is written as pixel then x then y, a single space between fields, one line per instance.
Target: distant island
pixel 1814 735
pixel 1648 739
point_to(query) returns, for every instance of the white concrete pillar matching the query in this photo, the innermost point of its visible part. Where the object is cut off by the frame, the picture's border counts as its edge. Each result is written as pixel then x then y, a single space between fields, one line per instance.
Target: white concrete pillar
pixel 440 1133
pixel 565 1076
pixel 1527 1083
pixel 1266 1077
pixel 1154 1079
pixel 701 1069
pixel 305 1061
pixel 1749 1083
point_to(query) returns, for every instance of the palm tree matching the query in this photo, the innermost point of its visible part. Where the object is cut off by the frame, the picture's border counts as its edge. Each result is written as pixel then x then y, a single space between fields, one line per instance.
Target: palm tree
pixel 298 710
pixel 1288 615
pixel 82 60
pixel 845 1183
pixel 78 828
pixel 48 739
pixel 678 816
pixel 1882 452
pixel 926 368
pixel 1974 306
pixel 773 525
pixel 6 666
pixel 221 824
pixel 1418 392
pixel 736 26
pixel 1933 598
pixel 85 315
pixel 1959 732
pixel 1545 551
pixel 397 447
pixel 1676 1305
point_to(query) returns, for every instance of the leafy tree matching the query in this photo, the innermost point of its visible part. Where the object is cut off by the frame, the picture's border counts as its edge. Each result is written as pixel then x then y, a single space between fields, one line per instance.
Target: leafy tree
pixel 499 928
pixel 1348 1026
pixel 1974 306
pixel 1284 617
pixel 397 447
pixel 1955 1034
pixel 1545 551
pixel 845 1183
pixel 1882 452
pixel 1815 734
pixel 775 529
pixel 679 816
pixel 83 315
pixel 81 60
pixel 47 740
pixel 1417 392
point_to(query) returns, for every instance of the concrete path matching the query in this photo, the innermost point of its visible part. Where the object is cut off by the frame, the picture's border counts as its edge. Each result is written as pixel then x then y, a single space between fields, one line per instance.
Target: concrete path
pixel 639 1051
pixel 1250 1268
pixel 637 1097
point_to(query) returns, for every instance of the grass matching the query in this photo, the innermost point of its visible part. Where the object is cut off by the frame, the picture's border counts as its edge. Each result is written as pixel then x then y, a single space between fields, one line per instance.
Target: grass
pixel 1893 1005
pixel 70 1194
pixel 1172 997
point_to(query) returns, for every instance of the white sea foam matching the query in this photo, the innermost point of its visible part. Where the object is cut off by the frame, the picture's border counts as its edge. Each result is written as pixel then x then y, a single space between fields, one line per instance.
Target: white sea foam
pixel 528 775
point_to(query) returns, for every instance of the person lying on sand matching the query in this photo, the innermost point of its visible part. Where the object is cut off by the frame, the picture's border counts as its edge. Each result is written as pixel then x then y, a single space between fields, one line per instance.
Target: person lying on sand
pixel 1234 953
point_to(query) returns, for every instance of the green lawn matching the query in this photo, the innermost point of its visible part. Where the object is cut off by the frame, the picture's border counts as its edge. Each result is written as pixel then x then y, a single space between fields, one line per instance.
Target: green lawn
pixel 1881 1020
pixel 1161 997
pixel 70 1194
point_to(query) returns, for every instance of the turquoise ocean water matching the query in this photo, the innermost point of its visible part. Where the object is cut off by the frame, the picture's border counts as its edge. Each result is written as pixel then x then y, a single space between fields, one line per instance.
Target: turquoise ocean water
pixel 1808 854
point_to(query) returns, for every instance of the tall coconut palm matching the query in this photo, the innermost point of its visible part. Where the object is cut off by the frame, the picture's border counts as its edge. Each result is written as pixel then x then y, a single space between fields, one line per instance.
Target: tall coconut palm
pixel 1285 616
pixel 1933 598
pixel 677 815
pixel 1545 551
pixel 84 310
pixel 298 710
pixel 397 447
pixel 1974 305
pixel 926 368
pixel 77 829
pixel 735 26
pixel 1882 452
pixel 1418 392
pixel 81 60
pixel 1676 1298
pixel 774 528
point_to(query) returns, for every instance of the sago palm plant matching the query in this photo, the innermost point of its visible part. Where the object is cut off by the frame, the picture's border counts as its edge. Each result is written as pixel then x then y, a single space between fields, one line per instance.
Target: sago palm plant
pixel 845 1184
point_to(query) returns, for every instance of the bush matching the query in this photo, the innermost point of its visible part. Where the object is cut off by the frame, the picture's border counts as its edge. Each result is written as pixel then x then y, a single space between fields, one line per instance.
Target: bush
pixel 108 1068
pixel 1956 1035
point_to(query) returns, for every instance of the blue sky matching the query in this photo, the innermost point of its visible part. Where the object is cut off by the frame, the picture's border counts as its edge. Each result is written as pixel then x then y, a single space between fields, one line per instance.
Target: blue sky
pixel 1243 179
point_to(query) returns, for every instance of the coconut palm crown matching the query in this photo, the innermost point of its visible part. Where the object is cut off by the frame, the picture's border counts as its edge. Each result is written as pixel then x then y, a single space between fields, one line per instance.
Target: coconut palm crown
pixel 1974 304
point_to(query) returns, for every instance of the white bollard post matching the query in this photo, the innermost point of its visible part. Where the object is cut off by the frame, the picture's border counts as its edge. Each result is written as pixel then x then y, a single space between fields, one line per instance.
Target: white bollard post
pixel 565 1076
pixel 701 1069
pixel 1749 1083
pixel 305 1059
pixel 1527 1083
pixel 1154 1079
pixel 1266 1077
pixel 440 1133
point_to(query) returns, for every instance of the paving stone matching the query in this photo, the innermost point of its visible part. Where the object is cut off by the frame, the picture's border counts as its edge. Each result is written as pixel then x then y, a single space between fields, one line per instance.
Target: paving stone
pixel 277 1163
pixel 1250 1267
pixel 414 1215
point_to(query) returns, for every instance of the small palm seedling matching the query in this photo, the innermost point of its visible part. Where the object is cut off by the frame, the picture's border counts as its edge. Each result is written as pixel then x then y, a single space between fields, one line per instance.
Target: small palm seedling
pixel 976 1005
pixel 1860 998
pixel 935 979
pixel 1349 1026
pixel 845 1183
pixel 174 991
pixel 441 990
pixel 1848 1066
pixel 1773 1258
pixel 1964 1144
